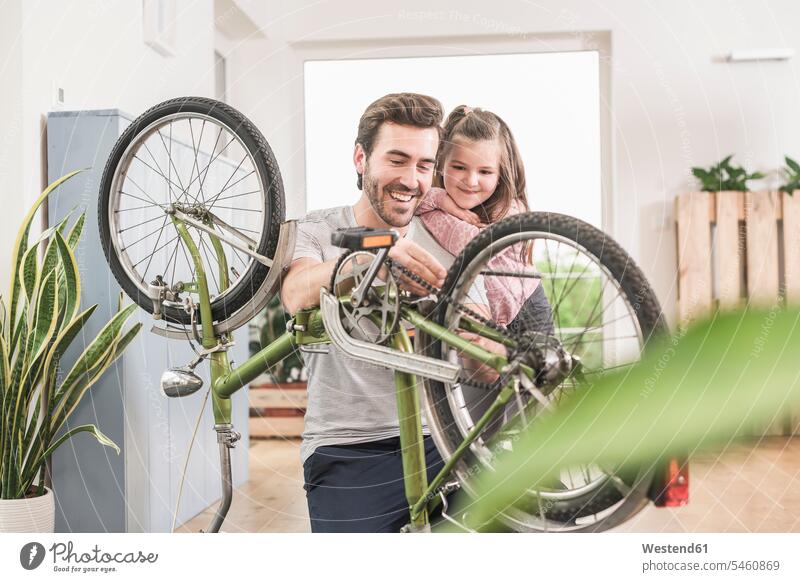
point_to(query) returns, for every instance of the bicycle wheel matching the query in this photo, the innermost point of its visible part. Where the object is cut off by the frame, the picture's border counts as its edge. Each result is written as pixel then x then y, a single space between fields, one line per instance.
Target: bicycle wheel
pixel 209 161
pixel 599 307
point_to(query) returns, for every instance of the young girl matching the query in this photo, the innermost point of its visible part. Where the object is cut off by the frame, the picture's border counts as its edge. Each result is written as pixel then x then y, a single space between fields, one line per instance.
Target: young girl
pixel 480 179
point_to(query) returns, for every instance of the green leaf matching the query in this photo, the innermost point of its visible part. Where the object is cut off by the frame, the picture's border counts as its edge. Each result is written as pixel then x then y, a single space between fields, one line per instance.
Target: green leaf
pixel 5 380
pixel 60 345
pixel 65 337
pixel 29 272
pixel 72 276
pixel 91 429
pixel 75 232
pixel 722 373
pixel 39 337
pixel 21 243
pixel 793 165
pixel 90 361
pixel 50 261
pixel 45 314
pixel 67 400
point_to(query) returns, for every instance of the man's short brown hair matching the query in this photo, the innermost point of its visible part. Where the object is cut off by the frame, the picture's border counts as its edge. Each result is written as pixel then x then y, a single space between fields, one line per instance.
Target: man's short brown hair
pixel 401 108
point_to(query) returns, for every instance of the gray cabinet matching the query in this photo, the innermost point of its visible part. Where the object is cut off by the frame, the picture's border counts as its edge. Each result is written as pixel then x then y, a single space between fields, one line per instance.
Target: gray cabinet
pixel 136 491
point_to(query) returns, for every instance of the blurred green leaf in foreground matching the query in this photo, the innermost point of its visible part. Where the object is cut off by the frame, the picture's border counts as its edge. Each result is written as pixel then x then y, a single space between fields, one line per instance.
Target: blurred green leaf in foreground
pixel 703 387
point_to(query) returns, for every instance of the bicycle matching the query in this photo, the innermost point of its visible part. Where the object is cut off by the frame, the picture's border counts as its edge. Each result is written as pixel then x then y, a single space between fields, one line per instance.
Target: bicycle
pixel 200 171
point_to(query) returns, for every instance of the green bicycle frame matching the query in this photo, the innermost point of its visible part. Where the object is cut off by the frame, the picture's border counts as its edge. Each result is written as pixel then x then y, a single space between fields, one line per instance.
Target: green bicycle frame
pixel 309 328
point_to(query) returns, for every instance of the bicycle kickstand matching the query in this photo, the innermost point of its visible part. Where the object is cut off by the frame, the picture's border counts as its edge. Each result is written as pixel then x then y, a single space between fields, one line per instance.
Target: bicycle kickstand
pixel 226 438
pixel 443 492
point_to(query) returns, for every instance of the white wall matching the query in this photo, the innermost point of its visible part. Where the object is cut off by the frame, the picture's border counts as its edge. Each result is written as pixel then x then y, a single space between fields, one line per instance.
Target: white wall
pixel 94 50
pixel 671 106
pixel 10 133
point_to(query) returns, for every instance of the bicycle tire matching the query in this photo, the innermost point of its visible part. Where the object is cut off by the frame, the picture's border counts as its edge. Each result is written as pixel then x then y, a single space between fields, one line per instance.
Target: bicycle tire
pixel 441 416
pixel 270 179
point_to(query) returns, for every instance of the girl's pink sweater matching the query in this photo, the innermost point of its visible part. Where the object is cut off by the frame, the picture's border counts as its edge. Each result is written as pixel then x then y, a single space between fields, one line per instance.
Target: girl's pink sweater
pixel 506 295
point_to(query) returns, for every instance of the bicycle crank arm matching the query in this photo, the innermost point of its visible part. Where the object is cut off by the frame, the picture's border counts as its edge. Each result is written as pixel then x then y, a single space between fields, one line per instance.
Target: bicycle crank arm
pixel 182 216
pixel 380 355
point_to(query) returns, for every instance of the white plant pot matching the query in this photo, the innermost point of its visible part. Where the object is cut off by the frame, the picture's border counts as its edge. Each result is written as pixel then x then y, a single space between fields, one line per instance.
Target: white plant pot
pixel 29 515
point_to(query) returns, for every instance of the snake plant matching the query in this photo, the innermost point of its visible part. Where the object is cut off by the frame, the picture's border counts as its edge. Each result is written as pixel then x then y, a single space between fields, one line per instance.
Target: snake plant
pixel 38 322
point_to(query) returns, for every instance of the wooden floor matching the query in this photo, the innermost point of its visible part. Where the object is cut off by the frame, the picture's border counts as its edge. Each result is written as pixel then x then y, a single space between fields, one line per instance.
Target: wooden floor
pixel 750 487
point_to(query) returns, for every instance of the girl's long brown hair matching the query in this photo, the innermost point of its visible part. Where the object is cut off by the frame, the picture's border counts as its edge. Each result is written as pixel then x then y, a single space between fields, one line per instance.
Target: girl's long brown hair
pixel 477 124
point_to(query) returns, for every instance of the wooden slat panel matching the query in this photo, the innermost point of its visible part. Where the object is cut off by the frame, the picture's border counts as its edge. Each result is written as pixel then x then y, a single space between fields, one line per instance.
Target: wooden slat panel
pixel 277 398
pixel 791 247
pixel 272 427
pixel 694 255
pixel 728 250
pixel 791 255
pixel 761 212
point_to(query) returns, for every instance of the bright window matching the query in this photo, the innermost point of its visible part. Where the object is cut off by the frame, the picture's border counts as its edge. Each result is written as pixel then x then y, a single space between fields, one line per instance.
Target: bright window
pixel 550 101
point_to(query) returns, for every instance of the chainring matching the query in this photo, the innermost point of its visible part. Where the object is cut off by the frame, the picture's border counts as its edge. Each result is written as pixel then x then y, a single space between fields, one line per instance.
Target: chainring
pixel 377 321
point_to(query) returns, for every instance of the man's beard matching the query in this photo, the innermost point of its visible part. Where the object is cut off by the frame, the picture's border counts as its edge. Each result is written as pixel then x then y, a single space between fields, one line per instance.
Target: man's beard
pixel 378 200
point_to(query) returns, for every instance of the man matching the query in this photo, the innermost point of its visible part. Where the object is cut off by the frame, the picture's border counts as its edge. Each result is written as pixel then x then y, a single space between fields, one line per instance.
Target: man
pixel 351 448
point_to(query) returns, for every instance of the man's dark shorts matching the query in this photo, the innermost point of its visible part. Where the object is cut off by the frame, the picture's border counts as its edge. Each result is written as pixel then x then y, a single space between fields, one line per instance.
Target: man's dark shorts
pixel 359 487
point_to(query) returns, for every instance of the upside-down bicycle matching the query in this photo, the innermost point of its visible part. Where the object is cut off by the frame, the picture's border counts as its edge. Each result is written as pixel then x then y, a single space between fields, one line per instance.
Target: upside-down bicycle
pixel 191 215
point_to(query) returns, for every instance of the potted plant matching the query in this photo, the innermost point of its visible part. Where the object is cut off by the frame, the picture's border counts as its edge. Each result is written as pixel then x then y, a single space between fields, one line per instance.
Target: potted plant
pixel 724 177
pixel 38 322
pixel 791 173
pixel 269 326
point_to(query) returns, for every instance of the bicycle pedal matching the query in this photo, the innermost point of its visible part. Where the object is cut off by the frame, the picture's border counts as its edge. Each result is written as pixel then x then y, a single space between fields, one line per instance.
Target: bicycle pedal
pixel 363 238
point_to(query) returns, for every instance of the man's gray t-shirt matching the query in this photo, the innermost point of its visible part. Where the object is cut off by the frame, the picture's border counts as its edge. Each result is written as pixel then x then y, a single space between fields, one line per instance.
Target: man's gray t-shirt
pixel 349 401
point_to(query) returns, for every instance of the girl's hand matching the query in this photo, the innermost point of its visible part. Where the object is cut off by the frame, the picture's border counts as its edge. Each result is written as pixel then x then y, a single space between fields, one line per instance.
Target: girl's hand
pixel 450 207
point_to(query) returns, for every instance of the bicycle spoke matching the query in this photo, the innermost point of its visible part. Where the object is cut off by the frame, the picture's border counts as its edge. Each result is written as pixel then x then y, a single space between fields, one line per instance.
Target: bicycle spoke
pixel 120 231
pixel 213 275
pixel 169 156
pixel 592 315
pixel 143 192
pixel 238 195
pixel 605 369
pixel 228 187
pixel 150 256
pixel 211 159
pixel 189 262
pixel 195 148
pixel 148 235
pixel 173 256
pixel 228 181
pixel 154 252
pixel 141 199
pixel 169 184
pixel 136 207
pixel 240 210
pixel 214 158
pixel 160 171
pixel 238 256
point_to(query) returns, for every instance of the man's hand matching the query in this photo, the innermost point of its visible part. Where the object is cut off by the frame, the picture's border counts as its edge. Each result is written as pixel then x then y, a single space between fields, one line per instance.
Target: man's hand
pixel 301 284
pixel 475 369
pixel 419 261
pixel 450 207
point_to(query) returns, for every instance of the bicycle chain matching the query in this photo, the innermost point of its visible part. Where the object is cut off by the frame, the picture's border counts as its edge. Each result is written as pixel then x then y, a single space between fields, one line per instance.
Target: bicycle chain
pixel 524 344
